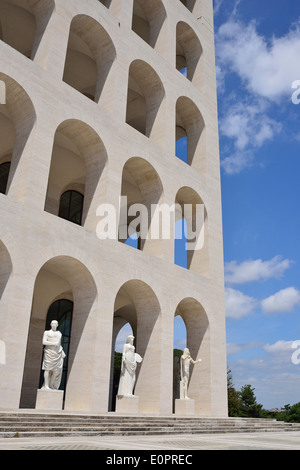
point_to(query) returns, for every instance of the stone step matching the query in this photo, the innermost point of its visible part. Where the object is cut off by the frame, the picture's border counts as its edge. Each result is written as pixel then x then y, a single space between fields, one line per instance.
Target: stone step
pixel 28 424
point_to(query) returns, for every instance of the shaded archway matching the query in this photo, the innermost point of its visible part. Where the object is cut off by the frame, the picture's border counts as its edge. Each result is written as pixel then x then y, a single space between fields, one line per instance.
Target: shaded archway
pixel 189 54
pixel 90 55
pixel 17 118
pixel 141 190
pixel 22 23
pixel 148 20
pixel 77 162
pixel 145 101
pixel 192 241
pixel 190 125
pixel 62 277
pixel 137 304
pixel 198 342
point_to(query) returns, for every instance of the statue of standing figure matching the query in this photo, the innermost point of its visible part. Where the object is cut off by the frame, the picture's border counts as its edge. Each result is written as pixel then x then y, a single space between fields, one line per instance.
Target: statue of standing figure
pixel 128 368
pixel 53 357
pixel 185 362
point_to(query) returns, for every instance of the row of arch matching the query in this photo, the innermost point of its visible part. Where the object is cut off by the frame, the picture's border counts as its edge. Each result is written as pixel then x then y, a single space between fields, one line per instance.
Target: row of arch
pixel 65 290
pixel 90 50
pixel 23 23
pixel 78 162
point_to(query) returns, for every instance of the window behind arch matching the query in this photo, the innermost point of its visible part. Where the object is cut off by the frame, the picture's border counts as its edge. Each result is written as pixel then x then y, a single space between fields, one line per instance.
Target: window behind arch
pixel 62 311
pixel 71 206
pixel 4 173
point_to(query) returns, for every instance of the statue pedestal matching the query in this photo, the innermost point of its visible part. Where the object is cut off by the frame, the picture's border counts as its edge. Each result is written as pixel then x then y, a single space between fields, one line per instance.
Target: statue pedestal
pixel 127 404
pixel 185 407
pixel 49 400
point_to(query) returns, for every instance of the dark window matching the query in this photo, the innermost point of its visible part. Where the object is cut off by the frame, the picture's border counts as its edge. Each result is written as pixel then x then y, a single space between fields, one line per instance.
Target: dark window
pixel 71 205
pixel 62 311
pixel 4 172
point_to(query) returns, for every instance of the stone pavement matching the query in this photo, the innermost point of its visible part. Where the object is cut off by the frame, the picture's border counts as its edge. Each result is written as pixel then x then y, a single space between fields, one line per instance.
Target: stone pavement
pixel 174 443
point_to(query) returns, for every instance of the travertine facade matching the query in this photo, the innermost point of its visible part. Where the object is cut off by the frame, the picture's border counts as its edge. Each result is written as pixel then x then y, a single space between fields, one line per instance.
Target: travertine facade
pixel 94 105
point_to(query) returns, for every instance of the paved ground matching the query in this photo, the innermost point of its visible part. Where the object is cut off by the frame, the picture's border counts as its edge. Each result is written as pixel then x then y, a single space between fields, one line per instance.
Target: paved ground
pixel 175 443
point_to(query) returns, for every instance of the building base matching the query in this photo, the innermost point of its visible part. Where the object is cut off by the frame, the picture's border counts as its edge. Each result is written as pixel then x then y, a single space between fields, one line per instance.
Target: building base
pixel 185 407
pixel 49 400
pixel 127 404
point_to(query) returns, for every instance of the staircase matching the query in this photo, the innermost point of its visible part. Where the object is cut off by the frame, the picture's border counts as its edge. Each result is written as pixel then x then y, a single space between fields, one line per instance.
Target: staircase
pixel 37 424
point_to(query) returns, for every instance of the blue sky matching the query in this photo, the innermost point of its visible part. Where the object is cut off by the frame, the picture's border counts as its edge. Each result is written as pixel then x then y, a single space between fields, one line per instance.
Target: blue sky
pixel 258 59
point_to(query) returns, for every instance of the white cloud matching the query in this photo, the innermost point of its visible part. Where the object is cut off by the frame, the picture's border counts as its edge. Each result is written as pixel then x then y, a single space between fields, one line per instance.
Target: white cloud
pixel 238 304
pixel 249 127
pixel 268 68
pixel 283 301
pixel 279 347
pixel 255 270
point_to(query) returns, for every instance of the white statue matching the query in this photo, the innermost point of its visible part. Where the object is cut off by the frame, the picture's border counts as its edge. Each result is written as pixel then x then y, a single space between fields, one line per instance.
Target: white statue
pixel 185 362
pixel 128 368
pixel 53 357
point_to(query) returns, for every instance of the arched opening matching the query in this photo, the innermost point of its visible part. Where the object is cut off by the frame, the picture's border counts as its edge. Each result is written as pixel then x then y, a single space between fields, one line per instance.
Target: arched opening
pixel 17 118
pixel 145 102
pixel 148 20
pixel 77 162
pixel 5 267
pixel 189 54
pixel 23 22
pixel 90 55
pixel 196 323
pixel 180 338
pixel 191 240
pixel 190 134
pixel 137 304
pixel 62 283
pixel 141 190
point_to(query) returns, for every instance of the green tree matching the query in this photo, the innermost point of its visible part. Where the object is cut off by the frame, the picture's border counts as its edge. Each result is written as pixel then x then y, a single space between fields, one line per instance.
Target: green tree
pixel 234 401
pixel 250 408
pixel 293 414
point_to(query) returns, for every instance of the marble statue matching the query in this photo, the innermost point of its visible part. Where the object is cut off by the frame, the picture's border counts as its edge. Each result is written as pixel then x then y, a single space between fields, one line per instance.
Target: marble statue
pixel 128 367
pixel 185 362
pixel 53 357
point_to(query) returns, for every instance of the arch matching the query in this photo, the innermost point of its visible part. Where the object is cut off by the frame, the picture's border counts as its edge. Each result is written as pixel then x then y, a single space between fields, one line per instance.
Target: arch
pixel 90 55
pixel 62 277
pixel 137 304
pixel 148 20
pixel 23 22
pixel 189 54
pixel 198 342
pixel 17 118
pixel 145 101
pixel 141 185
pixel 77 162
pixel 190 125
pixel 5 267
pixel 190 207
